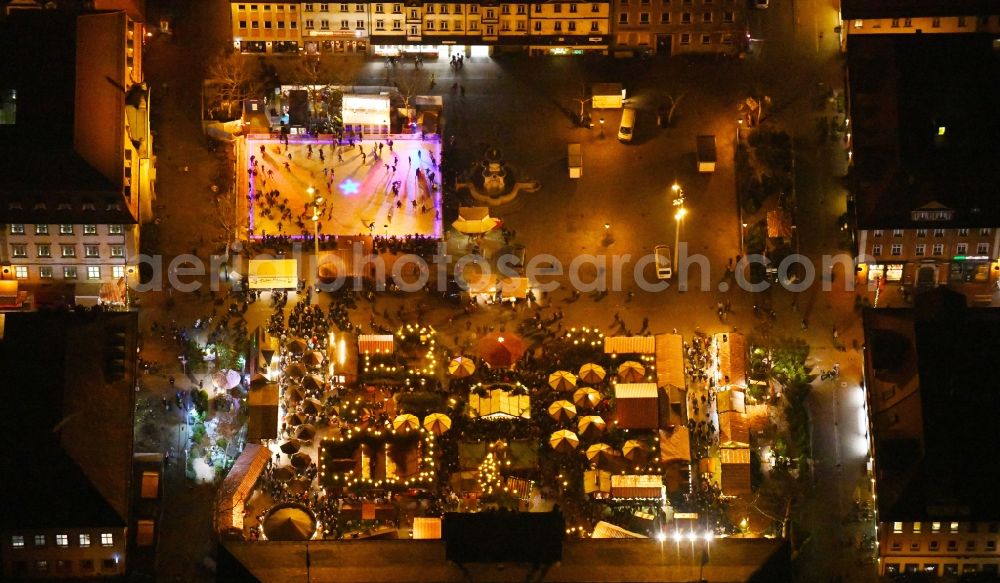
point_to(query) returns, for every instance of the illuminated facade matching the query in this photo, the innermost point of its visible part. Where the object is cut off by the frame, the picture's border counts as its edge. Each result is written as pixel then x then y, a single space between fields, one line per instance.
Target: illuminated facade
pixel 70 203
pixel 933 486
pixel 416 27
pixel 268 27
pixel 864 17
pixel 666 27
pixel 922 168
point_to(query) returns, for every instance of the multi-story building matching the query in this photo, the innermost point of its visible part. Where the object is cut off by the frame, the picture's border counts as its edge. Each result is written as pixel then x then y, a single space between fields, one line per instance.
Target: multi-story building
pixel 928 425
pixel 417 27
pixel 924 170
pixel 76 162
pixel 266 27
pixel 66 504
pixel 864 17
pixel 339 28
pixel 668 27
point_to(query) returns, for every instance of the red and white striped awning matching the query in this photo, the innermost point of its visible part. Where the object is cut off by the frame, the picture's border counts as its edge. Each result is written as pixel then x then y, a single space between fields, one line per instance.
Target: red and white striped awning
pixel 629 345
pixel 376 344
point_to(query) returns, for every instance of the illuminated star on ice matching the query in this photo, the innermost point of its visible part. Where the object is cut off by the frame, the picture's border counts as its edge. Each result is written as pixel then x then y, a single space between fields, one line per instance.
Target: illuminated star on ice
pixel 349 187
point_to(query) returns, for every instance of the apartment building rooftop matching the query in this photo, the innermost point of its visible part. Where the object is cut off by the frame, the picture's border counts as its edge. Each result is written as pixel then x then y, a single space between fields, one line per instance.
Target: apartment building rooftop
pixel 48 174
pixel 862 9
pixel 934 409
pixel 925 129
pixel 68 403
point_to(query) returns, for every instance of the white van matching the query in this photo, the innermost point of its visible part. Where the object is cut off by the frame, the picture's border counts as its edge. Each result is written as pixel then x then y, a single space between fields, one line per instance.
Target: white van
pixel 627 127
pixel 663 263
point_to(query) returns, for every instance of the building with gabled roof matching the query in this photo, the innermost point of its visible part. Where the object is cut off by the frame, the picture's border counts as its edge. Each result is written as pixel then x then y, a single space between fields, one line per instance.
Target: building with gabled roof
pixel 67 497
pixel 76 161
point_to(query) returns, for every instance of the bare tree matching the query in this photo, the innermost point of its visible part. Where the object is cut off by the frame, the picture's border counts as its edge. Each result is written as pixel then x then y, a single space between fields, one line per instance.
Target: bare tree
pixel 235 78
pixel 672 102
pixel 322 78
pixel 408 82
pixel 583 100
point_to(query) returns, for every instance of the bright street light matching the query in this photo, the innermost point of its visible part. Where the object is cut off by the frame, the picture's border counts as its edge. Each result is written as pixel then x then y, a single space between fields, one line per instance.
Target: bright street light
pixel 679 217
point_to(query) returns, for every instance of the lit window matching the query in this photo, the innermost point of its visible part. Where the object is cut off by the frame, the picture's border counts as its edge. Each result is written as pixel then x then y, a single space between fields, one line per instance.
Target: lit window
pixel 16 229
pixel 62 540
pixel 115 229
pixel 954 527
pixel 39 540
pixel 41 229
pixel 117 271
pixel 897 527
pixel 65 229
pixel 17 541
pixel 107 539
pixel 84 538
pixel 21 271
pixel 93 272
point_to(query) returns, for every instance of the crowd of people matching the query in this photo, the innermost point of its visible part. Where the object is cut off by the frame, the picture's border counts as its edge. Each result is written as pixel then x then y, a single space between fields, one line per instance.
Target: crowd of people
pixel 422 245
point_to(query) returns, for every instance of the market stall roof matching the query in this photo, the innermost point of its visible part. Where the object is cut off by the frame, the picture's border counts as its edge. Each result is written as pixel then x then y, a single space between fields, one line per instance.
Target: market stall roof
pixel 501 349
pixel 629 345
pixel 426 528
pixel 637 405
pixel 596 482
pixel 263 420
pixel 731 399
pixel 675 444
pixel 636 486
pixel 499 403
pixel 273 274
pixel 607 530
pixel 670 360
pixel 733 429
pixel 735 470
pixel 289 522
pixel 731 350
pixel 237 486
pixel 376 344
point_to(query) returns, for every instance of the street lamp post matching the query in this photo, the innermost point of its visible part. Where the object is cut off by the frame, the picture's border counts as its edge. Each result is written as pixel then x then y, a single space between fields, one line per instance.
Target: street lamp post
pixel 678 202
